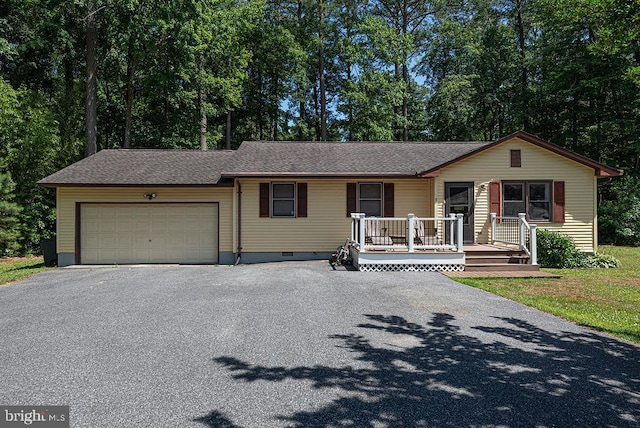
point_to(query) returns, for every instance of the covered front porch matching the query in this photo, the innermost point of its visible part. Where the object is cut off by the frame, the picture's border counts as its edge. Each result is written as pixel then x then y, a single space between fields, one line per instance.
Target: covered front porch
pixel 433 244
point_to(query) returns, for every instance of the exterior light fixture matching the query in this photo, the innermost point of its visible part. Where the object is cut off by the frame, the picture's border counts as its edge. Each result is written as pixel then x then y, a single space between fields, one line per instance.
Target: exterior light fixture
pixel 149 195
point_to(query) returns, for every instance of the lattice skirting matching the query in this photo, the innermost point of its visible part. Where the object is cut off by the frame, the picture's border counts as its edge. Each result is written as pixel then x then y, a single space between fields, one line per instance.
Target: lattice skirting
pixel 410 268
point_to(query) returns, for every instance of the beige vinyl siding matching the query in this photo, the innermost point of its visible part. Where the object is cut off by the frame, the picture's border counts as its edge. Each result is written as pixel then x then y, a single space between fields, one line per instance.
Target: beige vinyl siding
pixel 326 225
pixel 537 164
pixel 68 196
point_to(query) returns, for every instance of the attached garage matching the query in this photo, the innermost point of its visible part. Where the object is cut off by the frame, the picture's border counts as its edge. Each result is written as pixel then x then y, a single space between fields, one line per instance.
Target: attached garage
pixel 148 233
pixel 145 206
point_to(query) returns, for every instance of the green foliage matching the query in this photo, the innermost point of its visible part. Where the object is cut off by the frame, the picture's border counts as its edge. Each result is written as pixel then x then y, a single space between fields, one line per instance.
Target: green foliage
pixel 601 261
pixel 559 251
pixel 15 270
pixel 565 70
pixel 30 148
pixel 9 221
pixel 619 212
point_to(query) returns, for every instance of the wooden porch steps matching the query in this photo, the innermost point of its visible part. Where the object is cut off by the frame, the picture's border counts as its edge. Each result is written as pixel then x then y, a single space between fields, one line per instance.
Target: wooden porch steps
pixel 484 258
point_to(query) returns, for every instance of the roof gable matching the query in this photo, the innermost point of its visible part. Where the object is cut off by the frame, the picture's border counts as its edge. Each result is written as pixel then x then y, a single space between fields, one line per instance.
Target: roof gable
pixel 600 170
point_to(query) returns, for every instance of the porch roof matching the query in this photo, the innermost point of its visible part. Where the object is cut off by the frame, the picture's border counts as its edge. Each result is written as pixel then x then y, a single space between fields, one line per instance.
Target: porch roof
pixel 342 159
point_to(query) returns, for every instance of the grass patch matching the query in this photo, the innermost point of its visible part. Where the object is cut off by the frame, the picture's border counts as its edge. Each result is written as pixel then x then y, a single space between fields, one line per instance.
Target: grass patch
pixel 604 299
pixel 15 269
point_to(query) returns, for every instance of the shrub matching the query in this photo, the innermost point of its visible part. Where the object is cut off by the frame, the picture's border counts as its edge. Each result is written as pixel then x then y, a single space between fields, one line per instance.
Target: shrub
pixel 602 261
pixel 559 251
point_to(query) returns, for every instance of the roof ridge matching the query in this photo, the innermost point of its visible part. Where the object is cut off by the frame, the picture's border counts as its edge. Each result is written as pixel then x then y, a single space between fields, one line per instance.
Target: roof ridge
pixel 143 149
pixel 363 142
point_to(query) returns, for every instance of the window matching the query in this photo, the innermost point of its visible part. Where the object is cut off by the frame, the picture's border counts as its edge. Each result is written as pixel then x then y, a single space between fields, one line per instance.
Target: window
pixel 531 198
pixel 513 199
pixel 370 199
pixel 539 206
pixel 283 200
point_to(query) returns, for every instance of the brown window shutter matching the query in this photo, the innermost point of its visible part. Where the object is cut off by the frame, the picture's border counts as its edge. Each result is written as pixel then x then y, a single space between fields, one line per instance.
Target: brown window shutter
pixel 558 201
pixel 516 159
pixel 494 197
pixel 388 205
pixel 264 199
pixel 301 202
pixel 351 198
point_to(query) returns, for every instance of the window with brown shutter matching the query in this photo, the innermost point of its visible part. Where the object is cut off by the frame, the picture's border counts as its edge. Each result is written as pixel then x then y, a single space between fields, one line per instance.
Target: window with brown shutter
pixel 283 200
pixel 531 197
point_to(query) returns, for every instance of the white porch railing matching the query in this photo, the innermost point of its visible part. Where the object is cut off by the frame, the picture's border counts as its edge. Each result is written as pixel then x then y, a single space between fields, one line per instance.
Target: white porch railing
pixel 515 231
pixel 409 234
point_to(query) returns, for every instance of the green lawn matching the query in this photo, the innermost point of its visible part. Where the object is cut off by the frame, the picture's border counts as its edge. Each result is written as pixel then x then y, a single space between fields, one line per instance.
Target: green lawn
pixel 604 299
pixel 16 269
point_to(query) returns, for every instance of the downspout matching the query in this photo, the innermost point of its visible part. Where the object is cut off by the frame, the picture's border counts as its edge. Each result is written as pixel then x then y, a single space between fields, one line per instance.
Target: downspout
pixel 239 216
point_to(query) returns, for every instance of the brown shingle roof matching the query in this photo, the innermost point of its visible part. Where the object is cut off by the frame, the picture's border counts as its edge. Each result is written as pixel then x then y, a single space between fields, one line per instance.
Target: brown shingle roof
pixel 284 159
pixel 256 158
pixel 143 167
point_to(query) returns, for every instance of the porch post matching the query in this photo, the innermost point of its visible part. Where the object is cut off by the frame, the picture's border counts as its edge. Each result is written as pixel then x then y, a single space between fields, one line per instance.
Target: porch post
pixel 494 222
pixel 522 240
pixel 534 245
pixel 460 218
pixel 353 227
pixel 361 233
pixel 452 229
pixel 411 231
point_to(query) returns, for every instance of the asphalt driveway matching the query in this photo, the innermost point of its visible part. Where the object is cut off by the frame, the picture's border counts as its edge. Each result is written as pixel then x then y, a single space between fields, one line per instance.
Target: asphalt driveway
pixel 297 344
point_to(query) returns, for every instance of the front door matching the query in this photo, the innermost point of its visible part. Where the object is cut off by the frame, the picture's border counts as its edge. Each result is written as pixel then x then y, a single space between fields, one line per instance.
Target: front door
pixel 459 200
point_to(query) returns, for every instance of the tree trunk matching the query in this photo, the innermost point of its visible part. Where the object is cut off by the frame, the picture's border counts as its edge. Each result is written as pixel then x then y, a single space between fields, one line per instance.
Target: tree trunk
pixel 201 105
pixel 131 64
pixel 323 90
pixel 524 78
pixel 92 82
pixel 405 103
pixel 229 130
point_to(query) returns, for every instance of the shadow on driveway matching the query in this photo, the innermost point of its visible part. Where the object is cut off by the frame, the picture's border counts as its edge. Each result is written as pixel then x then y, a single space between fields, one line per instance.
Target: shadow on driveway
pixel 446 378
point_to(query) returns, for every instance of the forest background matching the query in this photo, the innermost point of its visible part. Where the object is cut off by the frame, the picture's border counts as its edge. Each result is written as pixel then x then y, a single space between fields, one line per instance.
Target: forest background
pixel 77 76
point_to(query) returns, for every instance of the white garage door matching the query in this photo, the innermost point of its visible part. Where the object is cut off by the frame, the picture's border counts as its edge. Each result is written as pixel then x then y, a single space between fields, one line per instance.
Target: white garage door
pixel 148 233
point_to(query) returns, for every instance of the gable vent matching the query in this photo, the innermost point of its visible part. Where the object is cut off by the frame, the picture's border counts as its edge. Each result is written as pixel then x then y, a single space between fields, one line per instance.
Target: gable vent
pixel 516 159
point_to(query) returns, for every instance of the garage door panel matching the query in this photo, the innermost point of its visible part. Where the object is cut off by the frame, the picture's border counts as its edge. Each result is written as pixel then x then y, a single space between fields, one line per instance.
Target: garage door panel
pixel 91 225
pixel 124 225
pixel 108 241
pixel 107 226
pixel 159 226
pixel 125 241
pixel 191 239
pixel 141 224
pixel 152 233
